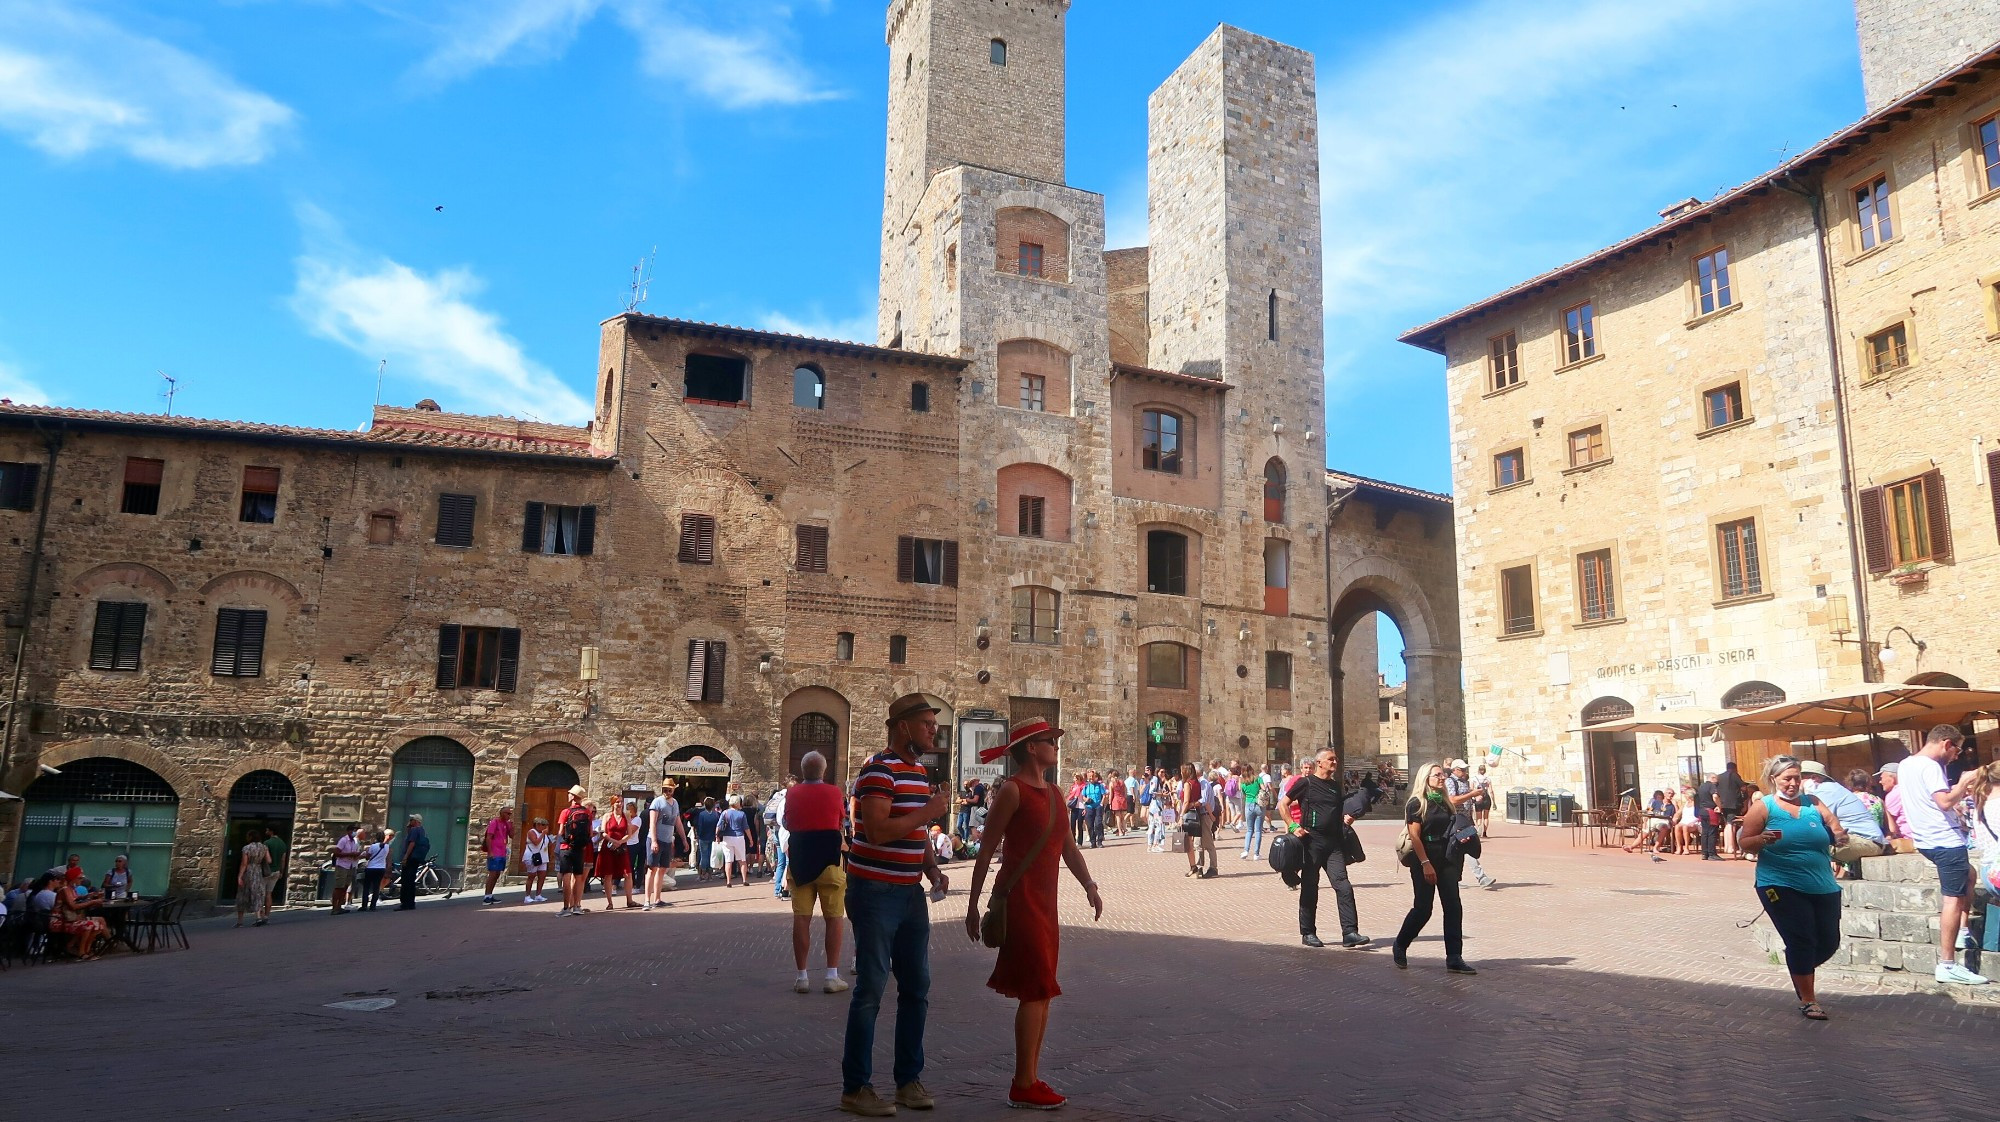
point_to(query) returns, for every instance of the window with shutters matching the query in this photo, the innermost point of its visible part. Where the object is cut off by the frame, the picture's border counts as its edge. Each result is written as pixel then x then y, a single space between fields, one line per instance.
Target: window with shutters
pixel 1721 406
pixel 718 379
pixel 811 549
pixel 1586 446
pixel 118 634
pixel 1503 362
pixel 559 531
pixel 697 539
pixel 1030 521
pixel 478 658
pixel 1579 333
pixel 1166 666
pixel 920 397
pixel 1160 434
pixel 926 561
pixel 1907 523
pixel 18 483
pixel 1887 351
pixel 1517 600
pixel 1595 597
pixel 1741 567
pixel 1277 670
pixel 707 665
pixel 454 524
pixel 1034 393
pixel 239 643
pixel 899 649
pixel 1274 490
pixel 808 388
pixel 1871 212
pixel 260 495
pixel 142 486
pixel 1037 615
pixel 1166 562
pixel 843 646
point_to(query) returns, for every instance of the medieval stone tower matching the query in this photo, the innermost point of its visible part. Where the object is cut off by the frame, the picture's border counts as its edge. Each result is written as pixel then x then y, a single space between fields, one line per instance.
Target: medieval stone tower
pixel 1150 544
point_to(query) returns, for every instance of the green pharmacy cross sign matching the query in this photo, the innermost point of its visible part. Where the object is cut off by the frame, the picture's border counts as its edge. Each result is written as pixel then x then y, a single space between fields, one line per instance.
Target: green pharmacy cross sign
pixel 1158 731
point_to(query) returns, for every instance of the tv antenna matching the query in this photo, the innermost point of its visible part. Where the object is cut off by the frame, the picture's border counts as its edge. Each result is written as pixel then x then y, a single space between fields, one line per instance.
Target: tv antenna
pixel 642 279
pixel 173 387
pixel 379 368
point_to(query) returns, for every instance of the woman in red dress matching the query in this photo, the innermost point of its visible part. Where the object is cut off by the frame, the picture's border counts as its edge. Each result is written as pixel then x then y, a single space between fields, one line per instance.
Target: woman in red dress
pixel 1027 817
pixel 613 863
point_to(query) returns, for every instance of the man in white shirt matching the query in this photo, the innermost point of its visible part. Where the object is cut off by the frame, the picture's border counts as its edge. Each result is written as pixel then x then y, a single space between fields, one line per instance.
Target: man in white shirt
pixel 664 831
pixel 1930 805
pixel 774 828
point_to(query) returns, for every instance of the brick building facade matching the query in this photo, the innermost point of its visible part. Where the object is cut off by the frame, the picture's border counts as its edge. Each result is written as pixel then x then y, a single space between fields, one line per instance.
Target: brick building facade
pixel 1069 483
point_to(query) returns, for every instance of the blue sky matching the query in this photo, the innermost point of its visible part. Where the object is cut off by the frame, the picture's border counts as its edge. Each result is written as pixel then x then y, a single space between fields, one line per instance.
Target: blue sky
pixel 246 194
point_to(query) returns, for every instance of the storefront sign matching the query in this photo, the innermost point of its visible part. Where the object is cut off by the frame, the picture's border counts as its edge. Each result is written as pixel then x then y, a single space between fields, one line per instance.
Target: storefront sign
pixel 1670 664
pixel 437 784
pixel 975 736
pixel 693 768
pixel 114 821
pixel 158 726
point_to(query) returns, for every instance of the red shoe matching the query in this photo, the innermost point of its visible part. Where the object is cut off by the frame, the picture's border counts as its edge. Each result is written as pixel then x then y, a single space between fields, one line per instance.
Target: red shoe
pixel 1037 1097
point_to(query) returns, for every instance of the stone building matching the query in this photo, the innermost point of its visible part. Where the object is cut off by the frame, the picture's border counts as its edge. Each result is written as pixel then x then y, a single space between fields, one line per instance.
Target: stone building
pixel 1070 483
pixel 1705 467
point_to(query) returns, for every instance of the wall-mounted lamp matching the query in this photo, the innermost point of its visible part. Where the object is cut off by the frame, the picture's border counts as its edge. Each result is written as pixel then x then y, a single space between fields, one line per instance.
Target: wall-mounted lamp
pixel 764 662
pixel 1309 436
pixel 983 630
pixel 1090 519
pixel 1277 428
pixel 1125 618
pixel 983 507
pixel 1886 655
pixel 1243 632
pixel 586 670
pixel 1090 636
pixel 1212 629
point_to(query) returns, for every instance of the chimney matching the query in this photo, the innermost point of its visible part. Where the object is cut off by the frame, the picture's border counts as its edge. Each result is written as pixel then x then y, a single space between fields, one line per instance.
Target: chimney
pixel 1685 206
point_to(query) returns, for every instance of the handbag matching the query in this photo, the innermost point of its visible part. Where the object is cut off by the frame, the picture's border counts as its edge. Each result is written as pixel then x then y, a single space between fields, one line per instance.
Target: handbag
pixel 993 925
pixel 1406 847
pixel 1350 846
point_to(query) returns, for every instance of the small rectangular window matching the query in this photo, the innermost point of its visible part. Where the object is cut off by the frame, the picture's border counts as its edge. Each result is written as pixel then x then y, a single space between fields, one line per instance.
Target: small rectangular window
pixel 1503 360
pixel 18 483
pixel 1722 405
pixel 926 561
pixel 559 531
pixel 1166 563
pixel 1277 670
pixel 1035 393
pixel 920 397
pixel 899 649
pixel 142 486
pixel 381 529
pixel 843 646
pixel 117 635
pixel 1909 522
pixel 1166 666
pixel 718 378
pixel 478 658
pixel 811 549
pixel 1586 446
pixel 260 495
pixel 1742 572
pixel 1031 516
pixel 1271 317
pixel 707 665
pixel 1711 278
pixel 1987 133
pixel 996 51
pixel 454 525
pixel 1160 441
pixel 1030 260
pixel 239 643
pixel 1593 579
pixel 1510 467
pixel 1579 333
pixel 697 539
pixel 1517 600
pixel 1888 351
pixel 1871 211
pixel 1037 615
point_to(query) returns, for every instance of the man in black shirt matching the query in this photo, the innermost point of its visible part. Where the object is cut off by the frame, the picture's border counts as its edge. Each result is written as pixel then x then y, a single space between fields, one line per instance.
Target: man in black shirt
pixel 1729 793
pixel 1326 810
pixel 1706 810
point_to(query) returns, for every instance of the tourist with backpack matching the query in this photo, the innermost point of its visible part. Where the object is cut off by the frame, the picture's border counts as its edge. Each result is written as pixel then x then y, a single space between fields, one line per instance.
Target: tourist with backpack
pixel 573 833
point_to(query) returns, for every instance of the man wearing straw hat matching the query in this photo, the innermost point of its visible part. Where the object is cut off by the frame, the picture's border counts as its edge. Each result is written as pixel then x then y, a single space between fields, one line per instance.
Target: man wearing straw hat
pixel 894 802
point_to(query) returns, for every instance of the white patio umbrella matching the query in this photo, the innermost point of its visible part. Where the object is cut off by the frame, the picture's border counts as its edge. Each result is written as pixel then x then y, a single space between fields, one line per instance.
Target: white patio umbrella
pixel 1864 709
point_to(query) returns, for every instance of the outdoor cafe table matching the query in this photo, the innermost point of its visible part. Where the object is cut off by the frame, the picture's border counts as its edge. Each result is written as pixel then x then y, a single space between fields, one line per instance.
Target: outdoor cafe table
pixel 115 913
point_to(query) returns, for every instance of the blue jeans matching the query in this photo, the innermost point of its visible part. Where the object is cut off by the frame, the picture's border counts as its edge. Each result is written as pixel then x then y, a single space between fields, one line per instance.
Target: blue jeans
pixel 965 822
pixel 1253 830
pixel 1156 829
pixel 1093 818
pixel 892 934
pixel 779 865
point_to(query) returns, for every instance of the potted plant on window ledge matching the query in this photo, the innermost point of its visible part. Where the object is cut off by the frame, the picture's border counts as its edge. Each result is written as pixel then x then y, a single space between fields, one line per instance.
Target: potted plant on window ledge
pixel 1911 575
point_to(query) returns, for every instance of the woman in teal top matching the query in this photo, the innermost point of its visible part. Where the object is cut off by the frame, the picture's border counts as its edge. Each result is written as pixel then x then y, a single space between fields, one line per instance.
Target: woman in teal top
pixel 1793 838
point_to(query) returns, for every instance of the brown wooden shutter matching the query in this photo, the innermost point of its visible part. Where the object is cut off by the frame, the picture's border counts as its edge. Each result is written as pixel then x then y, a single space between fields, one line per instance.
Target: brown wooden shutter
pixel 148 472
pixel 1874 533
pixel 1939 516
pixel 906 559
pixel 697 672
pixel 228 634
pixel 510 659
pixel 250 644
pixel 454 523
pixel 131 636
pixel 1993 485
pixel 711 689
pixel 697 539
pixel 260 480
pixel 586 530
pixel 447 677
pixel 811 549
pixel 951 564
pixel 104 637
pixel 1031 516
pixel 687 539
pixel 531 529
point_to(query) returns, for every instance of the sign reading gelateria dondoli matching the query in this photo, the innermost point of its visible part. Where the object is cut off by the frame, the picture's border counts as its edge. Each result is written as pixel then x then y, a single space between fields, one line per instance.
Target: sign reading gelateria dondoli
pixel 166 726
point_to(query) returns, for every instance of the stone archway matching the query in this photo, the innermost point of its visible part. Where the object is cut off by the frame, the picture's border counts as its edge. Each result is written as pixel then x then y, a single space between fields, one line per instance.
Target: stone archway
pixel 1425 611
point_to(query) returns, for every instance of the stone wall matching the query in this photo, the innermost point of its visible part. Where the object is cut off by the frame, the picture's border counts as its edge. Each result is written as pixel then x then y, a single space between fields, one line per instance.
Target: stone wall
pixel 1906 43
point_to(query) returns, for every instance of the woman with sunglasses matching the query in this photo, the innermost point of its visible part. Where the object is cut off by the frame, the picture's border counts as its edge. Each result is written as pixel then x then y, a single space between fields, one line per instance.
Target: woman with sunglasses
pixel 1434 870
pixel 1793 838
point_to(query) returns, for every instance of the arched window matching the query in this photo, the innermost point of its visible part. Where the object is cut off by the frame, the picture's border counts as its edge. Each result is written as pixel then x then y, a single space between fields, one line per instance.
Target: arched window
pixel 1165 666
pixel 1752 695
pixel 103 802
pixel 1037 615
pixel 1034 502
pixel 1277 576
pixel 1274 490
pixel 813 732
pixel 1031 243
pixel 808 388
pixel 1160 441
pixel 997 51
pixel 1166 562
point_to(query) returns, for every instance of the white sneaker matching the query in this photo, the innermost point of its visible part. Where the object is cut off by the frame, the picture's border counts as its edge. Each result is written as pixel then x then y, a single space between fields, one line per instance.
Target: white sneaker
pixel 802 985
pixel 1952 972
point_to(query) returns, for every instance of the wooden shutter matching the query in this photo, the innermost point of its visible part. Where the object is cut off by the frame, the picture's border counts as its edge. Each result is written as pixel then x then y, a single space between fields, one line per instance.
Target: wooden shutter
pixel 148 472
pixel 586 530
pixel 697 672
pixel 454 525
pixel 447 656
pixel 228 636
pixel 711 689
pixel 1031 516
pixel 104 637
pixel 812 549
pixel 510 659
pixel 951 564
pixel 697 539
pixel 1939 516
pixel 20 490
pixel 1874 533
pixel 906 559
pixel 250 644
pixel 1993 485
pixel 531 529
pixel 131 634
pixel 260 480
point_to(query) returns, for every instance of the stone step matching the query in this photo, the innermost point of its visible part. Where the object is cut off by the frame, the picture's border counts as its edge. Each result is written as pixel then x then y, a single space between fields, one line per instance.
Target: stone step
pixel 1899 868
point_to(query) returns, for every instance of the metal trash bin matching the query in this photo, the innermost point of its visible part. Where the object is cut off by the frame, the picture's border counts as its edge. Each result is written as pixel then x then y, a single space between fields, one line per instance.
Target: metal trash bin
pixel 1516 801
pixel 325 889
pixel 1532 807
pixel 1560 806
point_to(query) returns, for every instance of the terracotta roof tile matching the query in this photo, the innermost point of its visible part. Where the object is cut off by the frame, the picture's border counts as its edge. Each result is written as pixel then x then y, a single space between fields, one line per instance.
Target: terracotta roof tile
pixel 440 438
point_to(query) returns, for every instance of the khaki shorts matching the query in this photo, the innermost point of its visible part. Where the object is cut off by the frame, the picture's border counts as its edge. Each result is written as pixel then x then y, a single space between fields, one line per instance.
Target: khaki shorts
pixel 829 888
pixel 343 879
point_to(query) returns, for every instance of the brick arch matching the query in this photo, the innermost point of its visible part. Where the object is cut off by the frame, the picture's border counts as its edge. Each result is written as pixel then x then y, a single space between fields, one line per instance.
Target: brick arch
pixel 474 742
pixel 1061 336
pixel 903 514
pixel 128 574
pixel 187 786
pixel 1015 225
pixel 519 749
pixel 1169 633
pixel 1037 577
pixel 260 581
pixel 1028 480
pixel 1038 200
pixel 1052 363
pixel 267 761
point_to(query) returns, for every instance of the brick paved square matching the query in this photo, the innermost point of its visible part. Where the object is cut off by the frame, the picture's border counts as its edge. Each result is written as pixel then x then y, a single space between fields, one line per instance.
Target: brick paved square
pixel 1611 987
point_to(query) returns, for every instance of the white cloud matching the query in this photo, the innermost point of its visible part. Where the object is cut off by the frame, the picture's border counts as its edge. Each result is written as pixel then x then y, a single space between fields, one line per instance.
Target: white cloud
pixel 72 82
pixel 427 326
pixel 21 389
pixel 491 32
pixel 738 70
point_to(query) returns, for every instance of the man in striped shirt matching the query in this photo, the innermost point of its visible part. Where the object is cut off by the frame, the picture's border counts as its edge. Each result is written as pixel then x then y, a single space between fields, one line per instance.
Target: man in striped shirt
pixel 886 861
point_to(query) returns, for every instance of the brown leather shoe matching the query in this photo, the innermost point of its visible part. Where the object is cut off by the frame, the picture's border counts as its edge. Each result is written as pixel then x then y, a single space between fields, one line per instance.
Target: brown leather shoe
pixel 913 1095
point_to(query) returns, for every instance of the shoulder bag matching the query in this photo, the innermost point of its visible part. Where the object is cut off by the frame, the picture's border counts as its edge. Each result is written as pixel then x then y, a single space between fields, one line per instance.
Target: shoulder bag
pixel 1406 849
pixel 993 925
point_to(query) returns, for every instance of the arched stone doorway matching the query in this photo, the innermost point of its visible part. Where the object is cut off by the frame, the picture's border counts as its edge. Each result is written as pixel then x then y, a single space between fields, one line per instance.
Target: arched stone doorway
pixel 1165 738
pixel 1749 755
pixel 432 776
pixel 699 772
pixel 815 719
pixel 99 808
pixel 548 771
pixel 1610 759
pixel 265 801
pixel 1435 710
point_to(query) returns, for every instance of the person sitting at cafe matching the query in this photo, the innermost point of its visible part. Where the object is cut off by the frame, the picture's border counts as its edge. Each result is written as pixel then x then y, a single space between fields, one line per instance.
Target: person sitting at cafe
pixel 118 882
pixel 68 915
pixel 73 872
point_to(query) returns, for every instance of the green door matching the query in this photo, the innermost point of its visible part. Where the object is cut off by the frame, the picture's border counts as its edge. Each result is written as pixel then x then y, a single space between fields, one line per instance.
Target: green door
pixel 433 777
pixel 100 809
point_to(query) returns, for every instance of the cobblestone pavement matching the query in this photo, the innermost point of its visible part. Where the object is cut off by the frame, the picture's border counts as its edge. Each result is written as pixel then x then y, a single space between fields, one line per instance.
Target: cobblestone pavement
pixel 1611 987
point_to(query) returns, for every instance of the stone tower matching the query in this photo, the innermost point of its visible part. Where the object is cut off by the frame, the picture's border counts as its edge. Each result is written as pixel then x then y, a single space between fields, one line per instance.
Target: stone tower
pixel 1906 43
